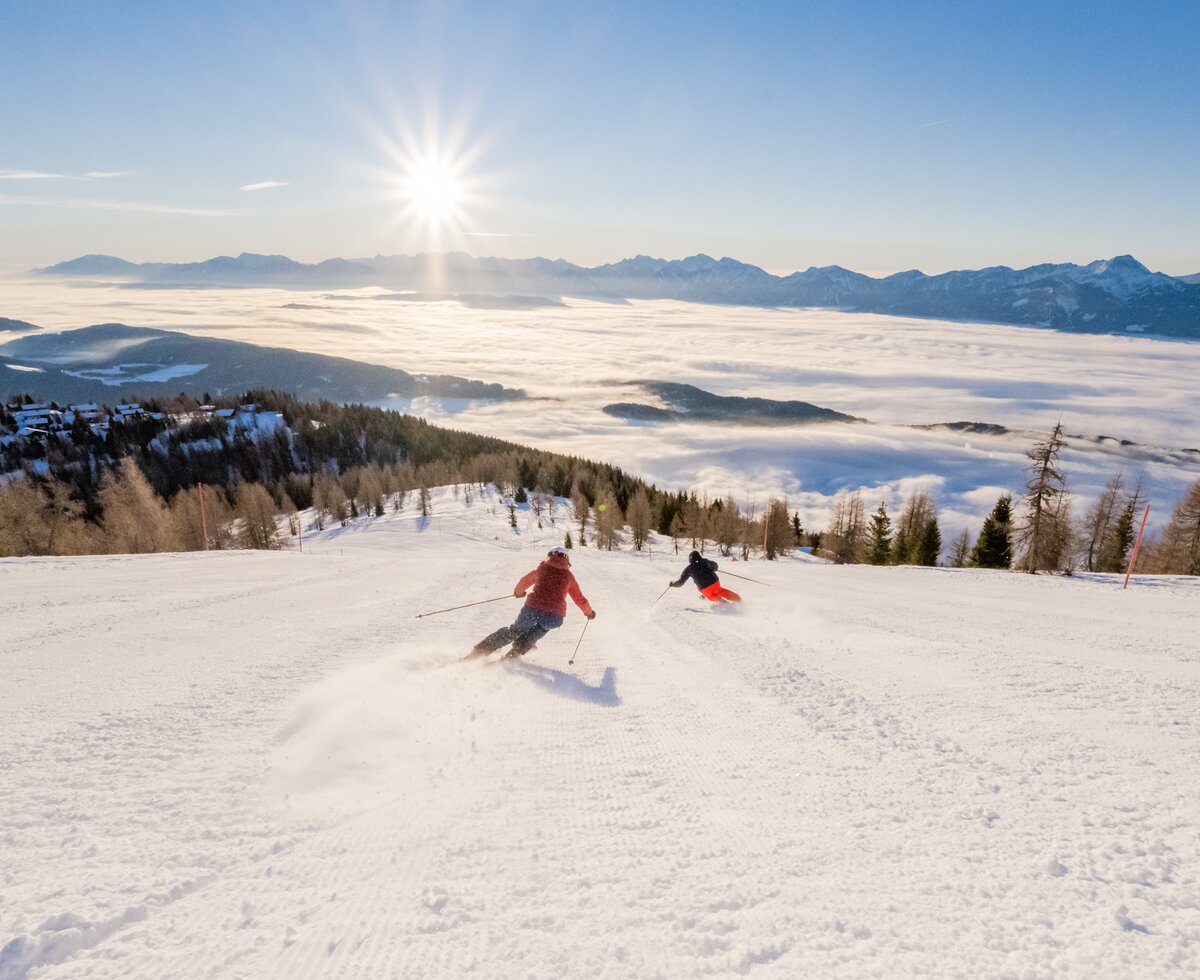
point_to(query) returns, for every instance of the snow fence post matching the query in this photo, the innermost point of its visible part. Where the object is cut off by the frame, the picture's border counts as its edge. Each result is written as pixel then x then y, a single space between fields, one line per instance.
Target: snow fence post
pixel 1137 544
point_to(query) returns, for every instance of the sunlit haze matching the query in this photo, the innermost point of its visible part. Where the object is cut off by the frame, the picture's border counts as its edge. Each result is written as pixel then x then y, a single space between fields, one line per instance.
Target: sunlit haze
pixel 877 136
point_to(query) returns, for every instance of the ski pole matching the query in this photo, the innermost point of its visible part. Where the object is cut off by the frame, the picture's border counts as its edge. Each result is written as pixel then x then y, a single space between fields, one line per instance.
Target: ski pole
pixel 576 650
pixel 437 612
pixel 664 592
pixel 745 578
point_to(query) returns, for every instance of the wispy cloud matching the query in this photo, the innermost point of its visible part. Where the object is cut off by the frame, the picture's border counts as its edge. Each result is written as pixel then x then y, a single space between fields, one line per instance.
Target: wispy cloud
pixel 30 175
pixel 84 204
pixel 46 175
pixel 936 122
pixel 264 185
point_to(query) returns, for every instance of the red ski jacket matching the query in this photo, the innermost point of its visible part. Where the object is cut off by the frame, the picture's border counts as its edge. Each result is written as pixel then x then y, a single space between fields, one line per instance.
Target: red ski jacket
pixel 552 582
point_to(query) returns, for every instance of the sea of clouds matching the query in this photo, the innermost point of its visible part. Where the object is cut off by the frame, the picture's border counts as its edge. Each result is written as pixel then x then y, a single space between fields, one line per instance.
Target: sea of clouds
pixel 895 371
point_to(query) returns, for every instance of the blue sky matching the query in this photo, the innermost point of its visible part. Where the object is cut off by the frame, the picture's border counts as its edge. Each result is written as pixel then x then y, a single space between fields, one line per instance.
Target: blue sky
pixel 875 135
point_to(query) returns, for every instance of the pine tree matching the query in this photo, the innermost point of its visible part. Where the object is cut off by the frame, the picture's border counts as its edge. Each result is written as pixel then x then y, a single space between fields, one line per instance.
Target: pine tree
pixel 256 516
pixel 567 543
pixel 640 518
pixel 929 548
pixel 843 540
pixel 1098 524
pixel 994 547
pixel 608 521
pixel 136 520
pixel 879 537
pixel 1042 531
pixel 1114 555
pixel 960 551
pixel 918 509
pixel 678 529
pixel 1178 550
pixel 579 504
pixel 780 535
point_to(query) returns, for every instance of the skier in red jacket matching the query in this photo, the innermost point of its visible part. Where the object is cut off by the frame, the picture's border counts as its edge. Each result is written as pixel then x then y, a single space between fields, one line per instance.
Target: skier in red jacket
pixel 544 609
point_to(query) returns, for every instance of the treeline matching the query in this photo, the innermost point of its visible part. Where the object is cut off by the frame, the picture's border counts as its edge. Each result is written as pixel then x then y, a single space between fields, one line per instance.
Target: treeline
pixel 185 480
pixel 139 486
pixel 1039 533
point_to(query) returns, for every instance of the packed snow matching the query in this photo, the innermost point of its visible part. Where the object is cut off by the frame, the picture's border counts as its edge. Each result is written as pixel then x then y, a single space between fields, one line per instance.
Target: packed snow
pixel 251 764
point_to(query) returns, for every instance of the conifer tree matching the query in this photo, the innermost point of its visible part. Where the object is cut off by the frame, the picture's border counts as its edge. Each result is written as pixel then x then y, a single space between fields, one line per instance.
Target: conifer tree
pixel 994 547
pixel 136 520
pixel 960 551
pixel 1114 555
pixel 1178 550
pixel 677 530
pixel 608 520
pixel 1042 530
pixel 843 540
pixel 579 505
pixel 780 535
pixel 879 537
pixel 918 509
pixel 1098 524
pixel 640 518
pixel 256 517
pixel 929 548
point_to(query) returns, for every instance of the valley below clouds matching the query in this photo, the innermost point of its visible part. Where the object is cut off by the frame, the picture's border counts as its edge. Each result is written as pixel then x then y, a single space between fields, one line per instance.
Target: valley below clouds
pixel 895 372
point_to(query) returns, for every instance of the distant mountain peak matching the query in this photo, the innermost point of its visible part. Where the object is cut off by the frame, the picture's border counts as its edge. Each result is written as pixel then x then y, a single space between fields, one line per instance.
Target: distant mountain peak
pixel 1118 265
pixel 1116 294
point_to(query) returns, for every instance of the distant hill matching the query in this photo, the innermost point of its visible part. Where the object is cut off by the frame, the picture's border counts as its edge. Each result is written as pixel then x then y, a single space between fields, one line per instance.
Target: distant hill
pixel 682 402
pixel 1116 295
pixel 95 363
pixel 15 326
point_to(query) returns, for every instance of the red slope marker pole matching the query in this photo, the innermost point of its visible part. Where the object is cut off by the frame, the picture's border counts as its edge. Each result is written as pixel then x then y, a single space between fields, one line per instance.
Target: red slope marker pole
pixel 1137 544
pixel 203 521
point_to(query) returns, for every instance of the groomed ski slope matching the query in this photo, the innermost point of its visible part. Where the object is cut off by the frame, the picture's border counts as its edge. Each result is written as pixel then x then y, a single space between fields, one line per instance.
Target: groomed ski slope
pixel 262 765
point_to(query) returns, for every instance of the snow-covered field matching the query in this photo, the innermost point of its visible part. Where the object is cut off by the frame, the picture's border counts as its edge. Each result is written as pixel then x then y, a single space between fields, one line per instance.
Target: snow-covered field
pixel 262 765
pixel 895 371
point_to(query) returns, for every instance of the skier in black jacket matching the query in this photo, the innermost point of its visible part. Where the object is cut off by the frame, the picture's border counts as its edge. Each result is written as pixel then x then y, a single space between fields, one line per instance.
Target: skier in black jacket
pixel 703 572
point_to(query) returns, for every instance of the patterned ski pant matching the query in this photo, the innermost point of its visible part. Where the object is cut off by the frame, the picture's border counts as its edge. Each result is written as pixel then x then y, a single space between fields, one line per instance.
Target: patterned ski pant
pixel 529 627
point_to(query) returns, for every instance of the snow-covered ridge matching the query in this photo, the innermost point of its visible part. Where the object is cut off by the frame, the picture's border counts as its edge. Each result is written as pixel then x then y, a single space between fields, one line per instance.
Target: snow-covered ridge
pixel 1106 295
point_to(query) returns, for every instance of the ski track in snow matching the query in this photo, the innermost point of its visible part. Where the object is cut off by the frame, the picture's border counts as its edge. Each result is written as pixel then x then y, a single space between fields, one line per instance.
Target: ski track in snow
pixel 262 765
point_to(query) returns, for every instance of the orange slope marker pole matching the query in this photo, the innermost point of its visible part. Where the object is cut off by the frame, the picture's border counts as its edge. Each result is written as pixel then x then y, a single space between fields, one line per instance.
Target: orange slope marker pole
pixel 1137 544
pixel 203 520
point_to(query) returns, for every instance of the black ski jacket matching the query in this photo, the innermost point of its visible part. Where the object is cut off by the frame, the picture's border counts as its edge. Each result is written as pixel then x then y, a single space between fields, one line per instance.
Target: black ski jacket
pixel 700 570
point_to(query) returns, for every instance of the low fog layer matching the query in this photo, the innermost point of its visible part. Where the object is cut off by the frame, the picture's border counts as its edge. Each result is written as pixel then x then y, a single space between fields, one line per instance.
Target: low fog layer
pixel 574 360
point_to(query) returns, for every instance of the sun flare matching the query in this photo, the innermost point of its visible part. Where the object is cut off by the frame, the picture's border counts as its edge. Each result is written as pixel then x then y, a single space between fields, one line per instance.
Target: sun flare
pixel 432 189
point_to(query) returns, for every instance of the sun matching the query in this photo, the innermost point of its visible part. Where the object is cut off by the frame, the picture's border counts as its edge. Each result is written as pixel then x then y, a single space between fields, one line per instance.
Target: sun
pixel 432 190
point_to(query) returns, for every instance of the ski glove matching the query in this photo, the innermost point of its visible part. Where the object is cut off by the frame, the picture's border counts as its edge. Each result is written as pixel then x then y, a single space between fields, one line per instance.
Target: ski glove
pixel 592 614
pixel 518 593
pixel 676 585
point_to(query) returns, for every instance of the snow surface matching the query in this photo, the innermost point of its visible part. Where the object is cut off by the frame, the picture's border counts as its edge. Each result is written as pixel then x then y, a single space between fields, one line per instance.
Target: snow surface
pixel 124 374
pixel 263 765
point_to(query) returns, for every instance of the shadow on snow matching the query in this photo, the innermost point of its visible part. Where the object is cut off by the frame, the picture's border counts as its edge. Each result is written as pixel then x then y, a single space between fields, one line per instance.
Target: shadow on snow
pixel 569 686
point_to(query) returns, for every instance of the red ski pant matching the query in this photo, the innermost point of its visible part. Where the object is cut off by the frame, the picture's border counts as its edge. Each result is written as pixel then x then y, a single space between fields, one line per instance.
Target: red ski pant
pixel 716 592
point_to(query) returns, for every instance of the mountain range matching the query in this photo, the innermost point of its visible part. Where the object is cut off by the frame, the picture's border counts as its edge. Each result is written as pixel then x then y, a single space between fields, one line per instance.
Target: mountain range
pixel 1117 295
pixel 99 363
